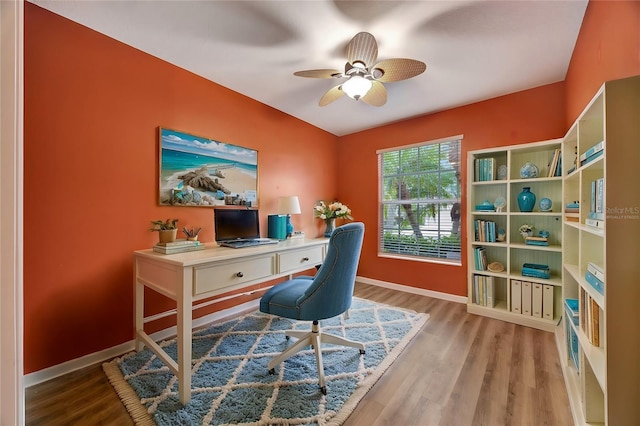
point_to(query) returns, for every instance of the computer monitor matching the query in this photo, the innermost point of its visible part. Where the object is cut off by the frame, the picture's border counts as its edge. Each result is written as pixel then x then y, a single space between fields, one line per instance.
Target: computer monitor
pixel 236 224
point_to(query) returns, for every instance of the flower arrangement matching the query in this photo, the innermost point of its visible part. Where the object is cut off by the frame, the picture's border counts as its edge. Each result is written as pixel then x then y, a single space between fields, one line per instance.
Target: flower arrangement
pixel 525 229
pixel 332 211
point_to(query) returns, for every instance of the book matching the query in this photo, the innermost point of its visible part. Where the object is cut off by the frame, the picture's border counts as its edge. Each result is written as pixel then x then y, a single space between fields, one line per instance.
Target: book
pixel 599 196
pixel 596 270
pixel 547 301
pixel 178 243
pixel 553 164
pixel 597 148
pixel 534 238
pixel 591 158
pixel 536 243
pixel 177 249
pixel 595 282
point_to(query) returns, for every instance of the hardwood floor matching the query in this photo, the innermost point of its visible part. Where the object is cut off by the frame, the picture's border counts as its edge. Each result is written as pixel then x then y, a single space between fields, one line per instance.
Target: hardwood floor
pixel 461 369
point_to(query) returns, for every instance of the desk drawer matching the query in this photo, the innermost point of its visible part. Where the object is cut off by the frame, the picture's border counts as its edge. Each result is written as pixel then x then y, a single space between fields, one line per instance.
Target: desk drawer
pixel 223 275
pixel 296 260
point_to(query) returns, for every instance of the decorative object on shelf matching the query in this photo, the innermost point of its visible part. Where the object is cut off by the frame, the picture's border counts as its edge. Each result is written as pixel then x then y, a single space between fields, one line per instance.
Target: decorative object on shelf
pixel 167 229
pixel 192 234
pixel 289 206
pixel 495 267
pixel 526 200
pixel 486 206
pixel 499 203
pixel 543 234
pixel 529 171
pixel 502 235
pixel 330 212
pixel 526 230
pixel 545 205
pixel 502 172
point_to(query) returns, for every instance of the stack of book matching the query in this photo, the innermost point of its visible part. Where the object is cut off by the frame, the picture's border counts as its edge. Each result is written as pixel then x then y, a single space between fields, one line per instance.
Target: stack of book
pixel 536 270
pixel 480 258
pixel 592 153
pixel 536 241
pixel 485 230
pixel 594 275
pixel 178 246
pixel 572 211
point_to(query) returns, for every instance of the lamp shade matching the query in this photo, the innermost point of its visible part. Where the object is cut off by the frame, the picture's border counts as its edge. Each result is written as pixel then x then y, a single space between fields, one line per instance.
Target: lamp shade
pixel 356 87
pixel 289 205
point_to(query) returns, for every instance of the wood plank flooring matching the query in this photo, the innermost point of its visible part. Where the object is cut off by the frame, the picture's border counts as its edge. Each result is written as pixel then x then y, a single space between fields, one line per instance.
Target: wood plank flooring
pixel 461 369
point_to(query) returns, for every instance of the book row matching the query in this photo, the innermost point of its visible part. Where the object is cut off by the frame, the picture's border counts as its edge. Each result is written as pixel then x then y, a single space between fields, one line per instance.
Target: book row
pixel 555 164
pixel 589 313
pixel 485 231
pixel 484 291
pixel 485 169
pixel 534 299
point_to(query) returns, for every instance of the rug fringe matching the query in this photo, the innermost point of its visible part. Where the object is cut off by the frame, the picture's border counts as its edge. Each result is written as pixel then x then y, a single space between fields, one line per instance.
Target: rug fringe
pixel 368 383
pixel 128 396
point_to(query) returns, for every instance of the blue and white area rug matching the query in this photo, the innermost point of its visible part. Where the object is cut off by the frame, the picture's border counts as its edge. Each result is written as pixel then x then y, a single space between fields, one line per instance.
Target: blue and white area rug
pixel 231 383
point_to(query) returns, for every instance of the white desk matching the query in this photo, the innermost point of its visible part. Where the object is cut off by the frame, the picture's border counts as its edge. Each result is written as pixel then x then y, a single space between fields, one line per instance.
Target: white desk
pixel 192 276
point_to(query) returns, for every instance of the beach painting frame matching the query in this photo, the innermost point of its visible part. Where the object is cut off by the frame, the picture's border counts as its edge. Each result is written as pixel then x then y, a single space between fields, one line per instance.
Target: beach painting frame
pixel 202 172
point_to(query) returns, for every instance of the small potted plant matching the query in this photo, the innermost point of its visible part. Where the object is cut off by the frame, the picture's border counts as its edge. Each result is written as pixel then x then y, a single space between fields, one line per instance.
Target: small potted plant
pixel 167 230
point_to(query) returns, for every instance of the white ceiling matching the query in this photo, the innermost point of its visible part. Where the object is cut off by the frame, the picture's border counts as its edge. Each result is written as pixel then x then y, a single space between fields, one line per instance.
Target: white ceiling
pixel 474 50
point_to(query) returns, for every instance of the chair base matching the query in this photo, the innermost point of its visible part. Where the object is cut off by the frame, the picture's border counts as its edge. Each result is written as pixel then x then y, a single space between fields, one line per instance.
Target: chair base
pixel 313 338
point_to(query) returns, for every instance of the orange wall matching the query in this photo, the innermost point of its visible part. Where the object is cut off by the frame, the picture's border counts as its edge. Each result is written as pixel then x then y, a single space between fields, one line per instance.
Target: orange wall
pixel 92 111
pixel 531 115
pixel 608 48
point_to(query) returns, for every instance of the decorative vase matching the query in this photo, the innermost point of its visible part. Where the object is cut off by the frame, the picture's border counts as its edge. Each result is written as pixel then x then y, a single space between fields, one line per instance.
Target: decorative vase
pixel 526 234
pixel 167 235
pixel 526 200
pixel 331 225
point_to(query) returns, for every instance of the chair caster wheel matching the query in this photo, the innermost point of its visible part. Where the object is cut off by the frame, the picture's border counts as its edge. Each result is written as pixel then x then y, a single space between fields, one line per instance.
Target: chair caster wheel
pixel 272 371
pixel 323 389
pixel 361 351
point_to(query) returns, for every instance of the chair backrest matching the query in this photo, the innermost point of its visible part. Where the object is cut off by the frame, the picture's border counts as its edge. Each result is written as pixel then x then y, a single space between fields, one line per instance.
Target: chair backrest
pixel 332 288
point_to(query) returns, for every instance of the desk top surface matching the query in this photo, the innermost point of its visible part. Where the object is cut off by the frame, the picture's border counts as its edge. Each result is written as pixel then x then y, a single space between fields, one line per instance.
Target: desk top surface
pixel 213 253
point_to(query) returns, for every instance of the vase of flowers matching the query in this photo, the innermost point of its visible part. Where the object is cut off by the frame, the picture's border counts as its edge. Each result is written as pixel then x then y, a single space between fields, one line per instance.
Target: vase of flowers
pixel 329 213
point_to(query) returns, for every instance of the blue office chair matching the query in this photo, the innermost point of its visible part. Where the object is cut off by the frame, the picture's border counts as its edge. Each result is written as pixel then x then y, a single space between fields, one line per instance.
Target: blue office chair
pixel 326 295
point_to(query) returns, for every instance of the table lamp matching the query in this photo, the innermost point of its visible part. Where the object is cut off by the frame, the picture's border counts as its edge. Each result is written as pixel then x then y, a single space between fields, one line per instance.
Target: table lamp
pixel 289 206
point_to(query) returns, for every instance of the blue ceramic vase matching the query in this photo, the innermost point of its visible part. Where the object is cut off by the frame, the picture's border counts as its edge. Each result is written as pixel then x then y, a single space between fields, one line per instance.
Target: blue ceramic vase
pixel 526 200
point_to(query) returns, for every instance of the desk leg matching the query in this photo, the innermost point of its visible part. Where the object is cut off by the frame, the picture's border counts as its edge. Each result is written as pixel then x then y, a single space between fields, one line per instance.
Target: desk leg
pixel 184 336
pixel 139 313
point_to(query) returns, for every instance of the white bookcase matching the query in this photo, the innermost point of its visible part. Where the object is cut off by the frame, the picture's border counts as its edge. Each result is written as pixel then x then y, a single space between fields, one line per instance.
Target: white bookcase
pixel 512 253
pixel 604 386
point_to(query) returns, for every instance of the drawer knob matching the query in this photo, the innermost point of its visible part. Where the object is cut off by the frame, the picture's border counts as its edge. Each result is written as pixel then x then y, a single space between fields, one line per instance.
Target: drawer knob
pixel 239 275
pixel 305 259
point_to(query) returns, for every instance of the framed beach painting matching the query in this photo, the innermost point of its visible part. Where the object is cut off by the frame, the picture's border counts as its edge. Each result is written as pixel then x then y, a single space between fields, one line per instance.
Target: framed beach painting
pixel 198 171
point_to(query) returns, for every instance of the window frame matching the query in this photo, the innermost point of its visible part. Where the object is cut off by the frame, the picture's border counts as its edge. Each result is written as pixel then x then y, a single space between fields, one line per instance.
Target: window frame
pixel 382 203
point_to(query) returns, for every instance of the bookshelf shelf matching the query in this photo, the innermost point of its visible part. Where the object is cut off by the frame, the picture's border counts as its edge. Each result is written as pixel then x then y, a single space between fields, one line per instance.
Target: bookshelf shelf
pixel 513 252
pixel 604 389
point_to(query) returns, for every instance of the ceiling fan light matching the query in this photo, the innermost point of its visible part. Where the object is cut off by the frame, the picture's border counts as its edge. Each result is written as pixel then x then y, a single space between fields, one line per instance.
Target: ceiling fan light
pixel 356 87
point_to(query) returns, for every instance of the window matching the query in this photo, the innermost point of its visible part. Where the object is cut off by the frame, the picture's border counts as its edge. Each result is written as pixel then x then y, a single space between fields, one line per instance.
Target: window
pixel 420 201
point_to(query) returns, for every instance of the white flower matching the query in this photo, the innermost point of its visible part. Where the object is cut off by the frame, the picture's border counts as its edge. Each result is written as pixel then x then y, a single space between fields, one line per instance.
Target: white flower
pixel 332 211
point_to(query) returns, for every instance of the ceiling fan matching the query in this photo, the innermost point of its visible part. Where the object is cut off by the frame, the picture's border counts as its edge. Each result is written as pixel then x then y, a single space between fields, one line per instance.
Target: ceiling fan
pixel 365 76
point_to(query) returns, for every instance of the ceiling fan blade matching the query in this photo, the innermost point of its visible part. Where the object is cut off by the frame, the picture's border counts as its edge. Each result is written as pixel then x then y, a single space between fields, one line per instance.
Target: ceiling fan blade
pixel 397 69
pixel 324 73
pixel 377 95
pixel 362 48
pixel 330 96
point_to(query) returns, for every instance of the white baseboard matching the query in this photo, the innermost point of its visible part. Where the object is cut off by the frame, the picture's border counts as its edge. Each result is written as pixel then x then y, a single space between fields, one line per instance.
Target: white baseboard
pixel 110 353
pixel 115 351
pixel 414 290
